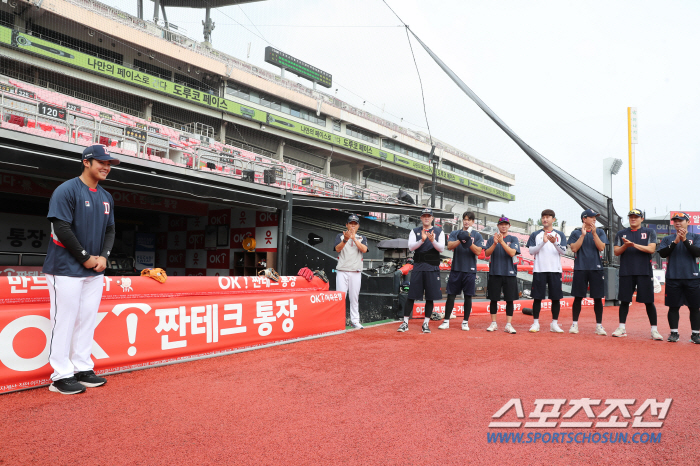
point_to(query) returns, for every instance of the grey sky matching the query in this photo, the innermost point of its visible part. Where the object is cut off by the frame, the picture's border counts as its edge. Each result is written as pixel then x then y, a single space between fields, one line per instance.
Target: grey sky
pixel 560 74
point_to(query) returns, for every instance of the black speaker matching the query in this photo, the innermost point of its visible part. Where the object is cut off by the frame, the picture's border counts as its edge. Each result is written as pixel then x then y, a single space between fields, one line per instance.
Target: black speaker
pixel 248 175
pixel 211 165
pixel 269 176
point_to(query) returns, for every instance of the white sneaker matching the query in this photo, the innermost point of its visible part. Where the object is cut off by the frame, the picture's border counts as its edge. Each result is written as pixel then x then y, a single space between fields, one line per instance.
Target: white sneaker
pixel 493 327
pixel 534 328
pixel 656 335
pixel 509 329
pixel 620 332
pixel 453 316
pixel 444 325
pixel 574 328
pixel 599 330
pixel 357 325
pixel 554 327
pixel 465 325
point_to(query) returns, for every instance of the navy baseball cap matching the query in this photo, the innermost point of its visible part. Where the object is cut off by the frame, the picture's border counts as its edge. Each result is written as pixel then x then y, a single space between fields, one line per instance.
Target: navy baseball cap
pixel 636 212
pixel 680 216
pixel 503 220
pixel 427 211
pixel 353 218
pixel 99 152
pixel 589 213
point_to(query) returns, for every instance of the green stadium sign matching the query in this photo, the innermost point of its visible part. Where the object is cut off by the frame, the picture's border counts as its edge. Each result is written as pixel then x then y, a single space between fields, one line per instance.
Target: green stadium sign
pixel 121 73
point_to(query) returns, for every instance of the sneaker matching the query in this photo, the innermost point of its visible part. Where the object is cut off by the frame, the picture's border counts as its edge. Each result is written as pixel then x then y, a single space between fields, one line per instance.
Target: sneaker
pixel 574 328
pixel 509 329
pixel 599 330
pixel 426 328
pixel 620 332
pixel 453 316
pixel 655 335
pixel 673 337
pixel 534 328
pixel 493 327
pixel 67 386
pixel 403 327
pixel 554 327
pixel 695 338
pixel 444 325
pixel 89 379
pixel 357 325
pixel 465 325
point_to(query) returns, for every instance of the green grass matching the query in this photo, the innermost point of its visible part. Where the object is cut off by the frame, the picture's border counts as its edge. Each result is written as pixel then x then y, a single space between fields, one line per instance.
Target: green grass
pixel 369 324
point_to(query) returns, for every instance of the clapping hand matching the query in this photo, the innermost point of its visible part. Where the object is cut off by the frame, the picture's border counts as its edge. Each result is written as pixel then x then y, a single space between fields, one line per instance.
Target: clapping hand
pixel 431 236
pixel 424 235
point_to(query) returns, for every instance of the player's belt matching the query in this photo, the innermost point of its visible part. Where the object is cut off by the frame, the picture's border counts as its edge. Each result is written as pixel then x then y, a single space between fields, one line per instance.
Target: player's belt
pixel 431 257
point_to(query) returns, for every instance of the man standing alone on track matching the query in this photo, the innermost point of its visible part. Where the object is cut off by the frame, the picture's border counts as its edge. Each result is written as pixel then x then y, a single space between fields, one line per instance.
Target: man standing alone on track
pixel 635 245
pixel 547 247
pixel 682 276
pixel 350 248
pixel 82 229
pixel 587 243
pixel 466 245
pixel 502 248
pixel 428 242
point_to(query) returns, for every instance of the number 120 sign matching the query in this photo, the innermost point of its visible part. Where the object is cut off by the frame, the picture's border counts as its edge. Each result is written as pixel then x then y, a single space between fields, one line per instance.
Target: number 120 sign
pixel 51 111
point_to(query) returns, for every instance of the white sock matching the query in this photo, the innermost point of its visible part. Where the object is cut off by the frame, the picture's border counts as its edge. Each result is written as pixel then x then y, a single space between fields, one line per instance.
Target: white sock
pixel 554 321
pixel 597 325
pixel 653 328
pixel 622 325
pixel 574 322
pixel 426 320
pixel 447 321
pixel 674 330
pixel 405 319
pixel 696 331
pixel 536 321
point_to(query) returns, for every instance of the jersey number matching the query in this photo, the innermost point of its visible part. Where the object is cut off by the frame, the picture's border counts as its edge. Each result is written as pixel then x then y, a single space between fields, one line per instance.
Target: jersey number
pixel 106 208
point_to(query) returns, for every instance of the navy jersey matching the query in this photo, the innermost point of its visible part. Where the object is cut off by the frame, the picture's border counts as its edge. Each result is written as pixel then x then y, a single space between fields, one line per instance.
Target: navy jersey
pixel 463 259
pixel 90 212
pixel 588 256
pixel 633 261
pixel 501 263
pixel 681 264
pixel 425 247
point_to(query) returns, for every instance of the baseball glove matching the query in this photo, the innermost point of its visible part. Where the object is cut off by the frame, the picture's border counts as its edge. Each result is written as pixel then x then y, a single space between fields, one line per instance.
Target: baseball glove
pixel 270 273
pixel 306 273
pixel 465 238
pixel 158 275
pixel 321 274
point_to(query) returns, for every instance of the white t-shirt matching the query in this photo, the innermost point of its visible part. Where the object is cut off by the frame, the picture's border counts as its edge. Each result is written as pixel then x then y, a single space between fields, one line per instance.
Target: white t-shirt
pixel 547 255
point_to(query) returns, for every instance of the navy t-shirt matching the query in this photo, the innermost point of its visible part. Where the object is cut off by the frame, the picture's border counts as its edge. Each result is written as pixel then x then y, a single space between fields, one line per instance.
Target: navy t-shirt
pixel 681 264
pixel 588 256
pixel 501 263
pixel 90 212
pixel 463 259
pixel 633 261
pixel 425 247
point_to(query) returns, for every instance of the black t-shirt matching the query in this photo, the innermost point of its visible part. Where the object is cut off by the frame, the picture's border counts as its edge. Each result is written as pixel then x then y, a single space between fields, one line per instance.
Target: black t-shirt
pixel 633 261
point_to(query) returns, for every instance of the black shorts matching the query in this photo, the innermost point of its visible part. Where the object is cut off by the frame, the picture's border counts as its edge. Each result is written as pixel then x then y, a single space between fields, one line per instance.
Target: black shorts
pixel 644 285
pixel 588 278
pixel 543 280
pixel 461 282
pixel 509 286
pixel 425 281
pixel 683 293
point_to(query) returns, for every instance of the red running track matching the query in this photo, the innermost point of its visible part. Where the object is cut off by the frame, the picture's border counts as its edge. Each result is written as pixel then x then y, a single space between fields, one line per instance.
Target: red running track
pixel 373 396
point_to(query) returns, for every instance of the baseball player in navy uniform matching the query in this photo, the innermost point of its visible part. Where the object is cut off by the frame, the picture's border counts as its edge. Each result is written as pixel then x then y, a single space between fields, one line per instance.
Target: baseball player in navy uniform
pixel 587 243
pixel 682 276
pixel 82 233
pixel 428 242
pixel 547 246
pixel 466 245
pixel 350 248
pixel 635 245
pixel 502 248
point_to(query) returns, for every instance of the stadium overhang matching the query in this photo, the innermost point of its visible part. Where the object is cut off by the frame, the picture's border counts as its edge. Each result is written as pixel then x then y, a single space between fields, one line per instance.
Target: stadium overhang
pixel 359 205
pixel 203 5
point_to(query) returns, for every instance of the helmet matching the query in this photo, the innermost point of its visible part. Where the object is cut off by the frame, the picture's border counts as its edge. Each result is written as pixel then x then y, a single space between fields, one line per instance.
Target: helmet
pixel 437 315
pixel 249 244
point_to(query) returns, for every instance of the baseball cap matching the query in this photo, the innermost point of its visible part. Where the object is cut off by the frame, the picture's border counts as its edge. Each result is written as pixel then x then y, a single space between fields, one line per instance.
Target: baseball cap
pixel 589 213
pixel 681 216
pixel 503 220
pixel 636 212
pixel 353 218
pixel 427 211
pixel 99 152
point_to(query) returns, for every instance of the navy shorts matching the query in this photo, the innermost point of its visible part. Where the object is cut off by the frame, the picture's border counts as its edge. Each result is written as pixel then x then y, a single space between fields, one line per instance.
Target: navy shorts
pixel 461 282
pixel 683 293
pixel 498 283
pixel 543 280
pixel 425 281
pixel 583 279
pixel 644 285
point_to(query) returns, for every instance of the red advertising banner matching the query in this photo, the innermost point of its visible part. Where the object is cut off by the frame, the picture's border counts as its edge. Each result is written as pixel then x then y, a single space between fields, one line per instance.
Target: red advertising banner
pixel 135 332
pixel 33 289
pixel 694 217
pixel 482 307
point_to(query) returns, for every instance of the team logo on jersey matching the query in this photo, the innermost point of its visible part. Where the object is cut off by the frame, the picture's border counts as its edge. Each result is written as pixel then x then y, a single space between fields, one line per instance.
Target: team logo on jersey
pixel 644 236
pixel 106 204
pixel 87 203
